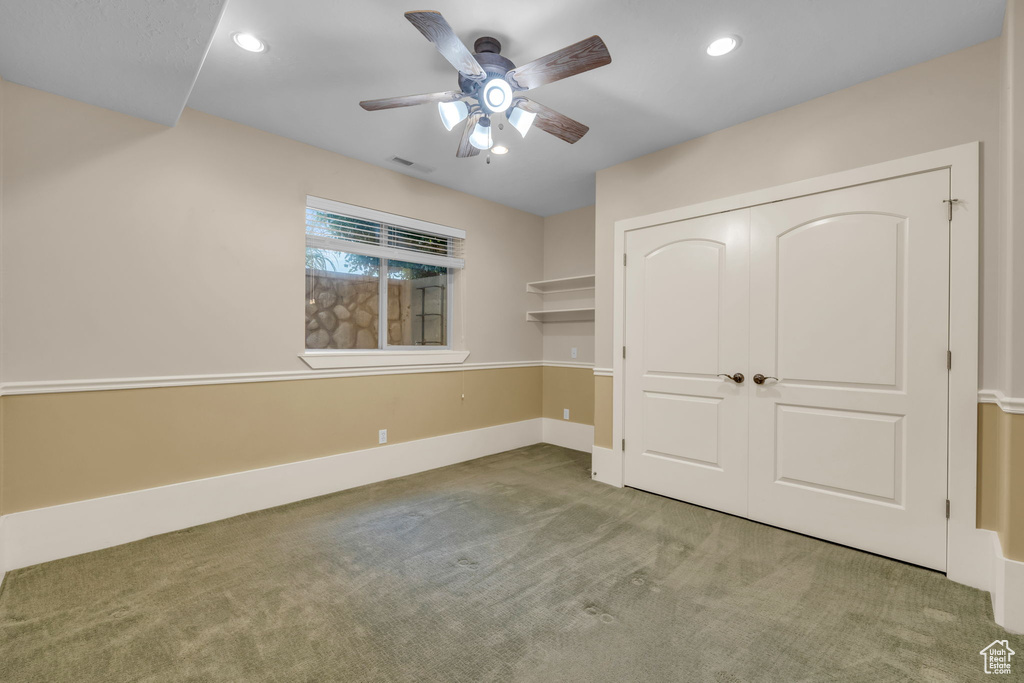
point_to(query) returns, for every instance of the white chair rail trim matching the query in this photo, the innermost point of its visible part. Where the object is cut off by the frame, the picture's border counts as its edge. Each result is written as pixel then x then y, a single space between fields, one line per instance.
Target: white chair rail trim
pixel 1009 404
pixel 75 385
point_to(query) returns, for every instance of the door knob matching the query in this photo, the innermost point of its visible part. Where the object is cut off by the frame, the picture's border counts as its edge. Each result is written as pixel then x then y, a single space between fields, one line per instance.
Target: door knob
pixel 759 378
pixel 738 377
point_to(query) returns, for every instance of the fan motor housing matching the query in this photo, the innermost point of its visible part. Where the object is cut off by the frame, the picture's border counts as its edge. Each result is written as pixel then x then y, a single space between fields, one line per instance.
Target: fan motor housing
pixel 493 64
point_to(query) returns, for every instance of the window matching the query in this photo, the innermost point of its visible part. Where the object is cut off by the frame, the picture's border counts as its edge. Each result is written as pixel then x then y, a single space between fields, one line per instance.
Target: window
pixel 377 281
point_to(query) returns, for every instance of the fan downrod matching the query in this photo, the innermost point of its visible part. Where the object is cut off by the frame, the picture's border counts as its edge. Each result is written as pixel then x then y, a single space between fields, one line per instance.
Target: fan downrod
pixel 487 44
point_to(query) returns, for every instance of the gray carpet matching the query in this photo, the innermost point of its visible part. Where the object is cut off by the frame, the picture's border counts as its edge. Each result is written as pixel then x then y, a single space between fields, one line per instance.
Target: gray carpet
pixel 515 567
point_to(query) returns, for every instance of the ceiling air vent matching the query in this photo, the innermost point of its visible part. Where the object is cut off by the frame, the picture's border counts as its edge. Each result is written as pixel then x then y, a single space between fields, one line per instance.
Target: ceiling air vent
pixel 411 164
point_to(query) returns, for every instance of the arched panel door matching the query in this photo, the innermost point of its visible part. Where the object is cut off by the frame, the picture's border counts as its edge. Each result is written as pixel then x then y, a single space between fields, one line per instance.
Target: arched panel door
pixel 686 322
pixel 849 303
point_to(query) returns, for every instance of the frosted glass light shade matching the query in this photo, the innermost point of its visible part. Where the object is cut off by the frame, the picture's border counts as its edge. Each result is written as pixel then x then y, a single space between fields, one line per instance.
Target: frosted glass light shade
pixel 481 136
pixel 521 120
pixel 452 112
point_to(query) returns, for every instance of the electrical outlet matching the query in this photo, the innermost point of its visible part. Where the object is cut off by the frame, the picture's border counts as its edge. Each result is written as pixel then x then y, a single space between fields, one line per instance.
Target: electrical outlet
pixel 573 353
pixel 565 414
pixel 382 436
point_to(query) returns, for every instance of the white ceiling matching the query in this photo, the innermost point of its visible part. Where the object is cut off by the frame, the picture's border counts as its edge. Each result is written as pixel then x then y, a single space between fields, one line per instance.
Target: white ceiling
pixel 136 57
pixel 325 56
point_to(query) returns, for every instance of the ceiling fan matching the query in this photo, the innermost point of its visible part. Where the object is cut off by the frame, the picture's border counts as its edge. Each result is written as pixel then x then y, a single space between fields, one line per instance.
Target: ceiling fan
pixel 491 85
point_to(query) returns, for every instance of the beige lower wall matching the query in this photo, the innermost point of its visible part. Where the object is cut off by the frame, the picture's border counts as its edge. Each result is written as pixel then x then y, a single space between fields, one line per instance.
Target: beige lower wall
pixel 992 424
pixel 64 447
pixel 60 448
pixel 1001 477
pixel 603 411
pixel 571 388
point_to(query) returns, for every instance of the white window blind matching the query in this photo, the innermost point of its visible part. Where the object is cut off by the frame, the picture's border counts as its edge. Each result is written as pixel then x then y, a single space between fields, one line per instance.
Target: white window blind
pixel 358 230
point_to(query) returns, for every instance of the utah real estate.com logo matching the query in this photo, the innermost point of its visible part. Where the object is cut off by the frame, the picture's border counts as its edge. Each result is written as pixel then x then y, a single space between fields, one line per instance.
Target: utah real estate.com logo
pixel 997 657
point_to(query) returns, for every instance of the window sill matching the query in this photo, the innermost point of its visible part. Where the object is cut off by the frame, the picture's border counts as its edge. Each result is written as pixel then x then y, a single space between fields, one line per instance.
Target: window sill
pixel 326 360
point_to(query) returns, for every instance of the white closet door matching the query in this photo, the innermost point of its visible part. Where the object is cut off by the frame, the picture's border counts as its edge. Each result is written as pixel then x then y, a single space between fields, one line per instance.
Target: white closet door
pixel 849 295
pixel 686 322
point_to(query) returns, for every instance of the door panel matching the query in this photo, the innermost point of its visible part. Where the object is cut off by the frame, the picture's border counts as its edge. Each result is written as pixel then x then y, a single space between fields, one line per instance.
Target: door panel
pixel 686 341
pixel 683 427
pixel 865 451
pixel 850 444
pixel 686 321
pixel 839 296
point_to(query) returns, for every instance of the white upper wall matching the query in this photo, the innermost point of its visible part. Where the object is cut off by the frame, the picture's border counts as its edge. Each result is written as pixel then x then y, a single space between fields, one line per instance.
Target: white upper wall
pixel 941 103
pixel 135 250
pixel 568 251
pixel 1011 321
pixel 569 244
pixel 140 57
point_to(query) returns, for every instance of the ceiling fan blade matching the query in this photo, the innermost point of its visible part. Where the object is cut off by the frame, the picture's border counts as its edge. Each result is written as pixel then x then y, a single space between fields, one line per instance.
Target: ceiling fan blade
pixel 435 29
pixel 550 121
pixel 579 57
pixel 410 100
pixel 466 149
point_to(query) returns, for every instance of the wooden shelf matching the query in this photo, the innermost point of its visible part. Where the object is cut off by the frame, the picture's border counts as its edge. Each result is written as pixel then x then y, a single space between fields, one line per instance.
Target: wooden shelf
pixel 562 284
pixel 561 315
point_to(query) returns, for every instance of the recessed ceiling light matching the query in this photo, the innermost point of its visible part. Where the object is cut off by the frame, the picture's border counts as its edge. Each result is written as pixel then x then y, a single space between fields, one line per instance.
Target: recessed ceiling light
pixel 499 149
pixel 248 41
pixel 723 46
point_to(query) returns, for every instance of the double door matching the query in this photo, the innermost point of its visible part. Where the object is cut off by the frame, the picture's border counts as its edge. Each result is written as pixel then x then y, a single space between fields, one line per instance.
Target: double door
pixel 788 363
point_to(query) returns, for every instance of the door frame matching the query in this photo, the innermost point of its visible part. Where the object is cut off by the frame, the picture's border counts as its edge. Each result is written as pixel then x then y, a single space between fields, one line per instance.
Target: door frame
pixel 968 549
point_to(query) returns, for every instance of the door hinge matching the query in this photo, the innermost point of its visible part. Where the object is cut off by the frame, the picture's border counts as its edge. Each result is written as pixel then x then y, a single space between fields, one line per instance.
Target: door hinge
pixel 947 508
pixel 949 203
pixel 949 360
pixel 623 445
pixel 623 260
pixel 623 351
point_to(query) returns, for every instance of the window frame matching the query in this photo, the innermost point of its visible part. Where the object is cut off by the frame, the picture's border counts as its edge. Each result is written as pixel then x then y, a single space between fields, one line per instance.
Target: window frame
pixel 387 354
pixel 382 320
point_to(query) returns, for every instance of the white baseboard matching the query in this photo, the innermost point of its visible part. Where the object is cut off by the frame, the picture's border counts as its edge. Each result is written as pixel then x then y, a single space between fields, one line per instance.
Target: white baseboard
pixel 35 536
pixel 969 558
pixel 1007 589
pixel 606 466
pixel 567 434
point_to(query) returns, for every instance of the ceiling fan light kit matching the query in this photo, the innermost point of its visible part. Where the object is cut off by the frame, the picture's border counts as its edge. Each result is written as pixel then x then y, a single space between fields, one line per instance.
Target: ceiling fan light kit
pixel 490 84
